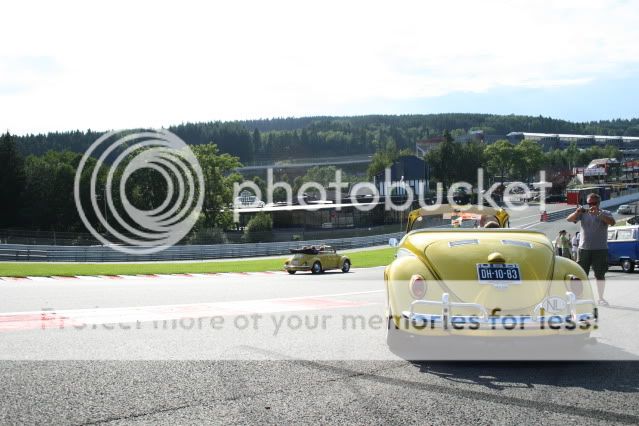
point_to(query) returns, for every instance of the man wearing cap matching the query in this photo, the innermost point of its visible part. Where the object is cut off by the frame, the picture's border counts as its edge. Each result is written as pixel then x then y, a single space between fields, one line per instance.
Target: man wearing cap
pixel 593 241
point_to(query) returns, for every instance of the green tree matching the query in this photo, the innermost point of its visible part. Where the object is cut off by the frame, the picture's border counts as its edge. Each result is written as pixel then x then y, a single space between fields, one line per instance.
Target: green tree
pixel 261 183
pixel 383 159
pixel 11 180
pixel 281 194
pixel 499 158
pixel 572 154
pixel 443 161
pixel 321 174
pixel 218 170
pixel 528 159
pixel 611 151
pixel 379 162
pixel 48 197
pixel 556 160
pixel 256 140
pixel 146 188
pixel 259 228
pixel 591 153
pixel 471 158
pixel 456 133
pixel 307 136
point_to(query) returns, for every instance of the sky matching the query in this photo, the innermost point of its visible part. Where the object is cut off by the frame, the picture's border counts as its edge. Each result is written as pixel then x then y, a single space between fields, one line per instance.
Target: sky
pixel 130 64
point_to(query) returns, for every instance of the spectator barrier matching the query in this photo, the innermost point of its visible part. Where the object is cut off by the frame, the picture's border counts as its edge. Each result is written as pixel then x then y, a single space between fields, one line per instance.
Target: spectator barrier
pixel 20 252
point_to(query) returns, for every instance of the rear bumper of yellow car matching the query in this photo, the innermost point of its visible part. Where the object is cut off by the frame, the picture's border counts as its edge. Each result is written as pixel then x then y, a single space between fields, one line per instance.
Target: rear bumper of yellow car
pixel 483 324
pixel 297 268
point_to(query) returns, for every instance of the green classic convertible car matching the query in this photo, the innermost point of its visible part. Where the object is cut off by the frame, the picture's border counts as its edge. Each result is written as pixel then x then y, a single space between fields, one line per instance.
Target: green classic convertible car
pixel 316 260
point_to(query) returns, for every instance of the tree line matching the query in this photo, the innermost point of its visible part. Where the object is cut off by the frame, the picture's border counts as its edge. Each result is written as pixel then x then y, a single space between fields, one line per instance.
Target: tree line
pixel 453 162
pixel 504 161
pixel 37 172
pixel 282 138
pixel 36 191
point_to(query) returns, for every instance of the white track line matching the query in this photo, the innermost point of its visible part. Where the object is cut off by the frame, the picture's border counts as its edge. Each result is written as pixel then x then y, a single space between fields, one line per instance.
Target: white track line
pixel 250 301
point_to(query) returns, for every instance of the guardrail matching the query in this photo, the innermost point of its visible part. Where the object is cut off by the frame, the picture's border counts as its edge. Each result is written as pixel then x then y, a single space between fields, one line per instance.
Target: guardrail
pixel 20 252
pixel 25 254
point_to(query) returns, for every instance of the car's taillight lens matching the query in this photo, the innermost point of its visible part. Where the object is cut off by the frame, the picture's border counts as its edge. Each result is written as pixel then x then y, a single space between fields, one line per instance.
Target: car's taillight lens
pixel 575 285
pixel 418 286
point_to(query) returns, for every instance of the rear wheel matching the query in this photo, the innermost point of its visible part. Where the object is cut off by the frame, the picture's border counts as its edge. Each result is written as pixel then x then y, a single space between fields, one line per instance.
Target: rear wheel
pixel 628 265
pixel 291 272
pixel 316 268
pixel 346 266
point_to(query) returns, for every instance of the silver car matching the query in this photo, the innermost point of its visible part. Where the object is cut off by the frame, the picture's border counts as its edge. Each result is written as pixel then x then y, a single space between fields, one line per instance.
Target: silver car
pixel 626 209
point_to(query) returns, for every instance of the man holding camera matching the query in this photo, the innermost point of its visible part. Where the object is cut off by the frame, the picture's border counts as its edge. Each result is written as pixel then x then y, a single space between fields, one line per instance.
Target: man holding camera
pixel 593 241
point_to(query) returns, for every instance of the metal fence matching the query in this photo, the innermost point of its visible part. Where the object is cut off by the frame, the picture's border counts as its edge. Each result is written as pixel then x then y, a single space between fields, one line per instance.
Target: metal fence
pixel 26 253
pixel 205 236
pixel 20 252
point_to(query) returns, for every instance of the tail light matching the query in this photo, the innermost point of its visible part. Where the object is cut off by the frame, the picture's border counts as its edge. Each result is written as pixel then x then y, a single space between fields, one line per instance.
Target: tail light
pixel 417 286
pixel 575 285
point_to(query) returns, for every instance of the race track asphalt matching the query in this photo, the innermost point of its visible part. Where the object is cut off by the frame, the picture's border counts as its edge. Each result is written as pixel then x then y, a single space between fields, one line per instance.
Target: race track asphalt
pixel 97 351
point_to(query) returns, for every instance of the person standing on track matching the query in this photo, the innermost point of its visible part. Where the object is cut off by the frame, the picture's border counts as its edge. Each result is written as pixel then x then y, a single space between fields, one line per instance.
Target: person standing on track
pixel 593 241
pixel 558 244
pixel 562 244
pixel 575 247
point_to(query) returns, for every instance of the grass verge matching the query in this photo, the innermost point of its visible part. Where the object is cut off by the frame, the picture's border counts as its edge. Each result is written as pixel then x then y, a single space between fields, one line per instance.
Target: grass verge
pixel 359 259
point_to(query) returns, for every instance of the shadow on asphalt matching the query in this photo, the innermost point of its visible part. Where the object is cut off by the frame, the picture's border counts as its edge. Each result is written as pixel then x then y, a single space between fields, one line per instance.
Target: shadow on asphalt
pixel 618 376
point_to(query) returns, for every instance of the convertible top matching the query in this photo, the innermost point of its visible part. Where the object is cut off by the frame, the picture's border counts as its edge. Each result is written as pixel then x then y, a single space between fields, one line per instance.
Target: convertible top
pixel 305 250
pixel 469 212
pixel 312 249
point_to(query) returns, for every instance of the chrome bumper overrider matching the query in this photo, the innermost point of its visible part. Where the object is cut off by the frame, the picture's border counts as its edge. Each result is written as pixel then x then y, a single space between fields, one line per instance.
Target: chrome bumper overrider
pixel 538 320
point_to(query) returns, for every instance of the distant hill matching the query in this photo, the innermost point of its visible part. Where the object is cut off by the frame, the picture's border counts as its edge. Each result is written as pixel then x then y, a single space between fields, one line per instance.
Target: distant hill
pixel 279 138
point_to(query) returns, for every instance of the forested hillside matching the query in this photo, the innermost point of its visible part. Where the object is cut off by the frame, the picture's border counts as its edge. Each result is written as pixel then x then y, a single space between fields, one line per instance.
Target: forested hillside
pixel 279 138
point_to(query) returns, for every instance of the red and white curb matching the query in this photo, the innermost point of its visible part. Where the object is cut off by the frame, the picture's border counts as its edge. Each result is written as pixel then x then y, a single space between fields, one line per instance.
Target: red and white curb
pixel 72 278
pixel 79 318
pixel 137 277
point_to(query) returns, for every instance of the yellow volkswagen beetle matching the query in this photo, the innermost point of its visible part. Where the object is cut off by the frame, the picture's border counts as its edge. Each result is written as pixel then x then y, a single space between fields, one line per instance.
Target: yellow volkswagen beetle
pixel 464 273
pixel 316 260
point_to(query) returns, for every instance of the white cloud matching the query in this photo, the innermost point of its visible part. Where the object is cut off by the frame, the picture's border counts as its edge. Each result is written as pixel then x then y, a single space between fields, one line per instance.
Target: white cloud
pixel 131 64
